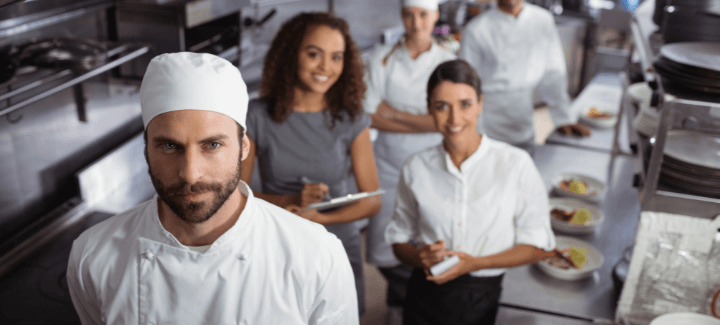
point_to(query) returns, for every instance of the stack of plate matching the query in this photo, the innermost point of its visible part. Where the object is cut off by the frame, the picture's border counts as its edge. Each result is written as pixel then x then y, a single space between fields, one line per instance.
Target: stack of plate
pixel 692 65
pixel 691 163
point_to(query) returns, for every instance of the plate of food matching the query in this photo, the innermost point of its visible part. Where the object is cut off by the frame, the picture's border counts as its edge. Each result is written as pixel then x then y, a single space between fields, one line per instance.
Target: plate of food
pixel 572 216
pixel 598 117
pixel 573 259
pixel 578 187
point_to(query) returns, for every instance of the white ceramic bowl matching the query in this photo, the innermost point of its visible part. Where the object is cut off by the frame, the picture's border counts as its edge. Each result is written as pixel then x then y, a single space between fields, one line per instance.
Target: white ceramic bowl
pixel 593 184
pixel 685 318
pixel 598 123
pixel 568 204
pixel 595 260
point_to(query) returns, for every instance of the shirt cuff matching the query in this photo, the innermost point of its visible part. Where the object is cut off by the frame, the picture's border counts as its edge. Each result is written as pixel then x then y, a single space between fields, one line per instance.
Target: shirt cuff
pixel 396 236
pixel 540 238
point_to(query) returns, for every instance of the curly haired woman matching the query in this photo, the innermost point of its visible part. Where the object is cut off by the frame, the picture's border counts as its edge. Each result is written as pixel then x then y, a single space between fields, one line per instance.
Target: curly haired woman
pixel 309 131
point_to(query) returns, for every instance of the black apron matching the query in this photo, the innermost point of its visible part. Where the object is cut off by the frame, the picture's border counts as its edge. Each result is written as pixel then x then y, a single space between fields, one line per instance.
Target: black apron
pixel 466 300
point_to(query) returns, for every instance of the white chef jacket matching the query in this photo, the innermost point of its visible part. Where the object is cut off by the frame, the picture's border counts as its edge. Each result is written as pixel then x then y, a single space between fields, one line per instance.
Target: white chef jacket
pixel 271 267
pixel 400 80
pixel 496 200
pixel 513 57
pixel 392 75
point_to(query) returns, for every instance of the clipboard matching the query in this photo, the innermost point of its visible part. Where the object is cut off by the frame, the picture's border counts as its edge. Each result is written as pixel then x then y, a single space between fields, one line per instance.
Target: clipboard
pixel 342 200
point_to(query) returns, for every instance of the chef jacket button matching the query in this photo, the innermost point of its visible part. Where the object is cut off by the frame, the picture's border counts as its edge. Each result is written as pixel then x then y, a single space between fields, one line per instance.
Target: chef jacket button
pixel 459 224
pixel 241 257
pixel 149 255
pixel 457 247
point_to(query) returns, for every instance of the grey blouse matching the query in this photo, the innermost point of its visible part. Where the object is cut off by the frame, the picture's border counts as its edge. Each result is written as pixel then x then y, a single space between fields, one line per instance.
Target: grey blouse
pixel 303 146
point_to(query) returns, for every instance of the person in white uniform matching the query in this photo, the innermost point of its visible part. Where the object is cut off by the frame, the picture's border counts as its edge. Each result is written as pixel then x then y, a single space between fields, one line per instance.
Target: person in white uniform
pixel 472 197
pixel 396 78
pixel 515 49
pixel 204 250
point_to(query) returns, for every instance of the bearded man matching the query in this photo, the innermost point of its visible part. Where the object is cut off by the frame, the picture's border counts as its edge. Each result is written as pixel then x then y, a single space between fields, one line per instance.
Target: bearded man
pixel 204 250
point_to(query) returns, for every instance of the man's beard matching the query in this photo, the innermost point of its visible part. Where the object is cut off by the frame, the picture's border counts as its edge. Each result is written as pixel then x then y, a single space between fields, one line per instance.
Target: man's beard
pixel 196 212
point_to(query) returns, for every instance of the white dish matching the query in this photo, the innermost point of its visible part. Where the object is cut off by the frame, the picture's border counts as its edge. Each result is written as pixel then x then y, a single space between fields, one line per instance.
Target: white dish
pixel 596 122
pixel 592 185
pixel 693 148
pixel 647 121
pixel 569 204
pixel 595 260
pixel 704 55
pixel 685 318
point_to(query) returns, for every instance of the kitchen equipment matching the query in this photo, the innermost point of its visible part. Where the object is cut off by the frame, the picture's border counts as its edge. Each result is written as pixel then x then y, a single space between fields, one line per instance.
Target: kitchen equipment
pixel 569 204
pixel 595 189
pixel 595 260
pixel 691 65
pixel 208 26
pixel 63 52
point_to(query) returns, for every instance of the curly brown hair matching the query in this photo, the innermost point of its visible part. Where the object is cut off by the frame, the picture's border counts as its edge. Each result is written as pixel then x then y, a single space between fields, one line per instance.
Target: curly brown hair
pixel 280 76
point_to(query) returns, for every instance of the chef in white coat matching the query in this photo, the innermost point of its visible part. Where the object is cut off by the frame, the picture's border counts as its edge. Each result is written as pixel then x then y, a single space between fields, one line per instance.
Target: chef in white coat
pixel 396 79
pixel 515 49
pixel 204 250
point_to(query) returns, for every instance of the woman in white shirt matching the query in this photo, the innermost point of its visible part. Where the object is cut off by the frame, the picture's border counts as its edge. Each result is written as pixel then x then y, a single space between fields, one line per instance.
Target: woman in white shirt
pixel 471 196
pixel 396 77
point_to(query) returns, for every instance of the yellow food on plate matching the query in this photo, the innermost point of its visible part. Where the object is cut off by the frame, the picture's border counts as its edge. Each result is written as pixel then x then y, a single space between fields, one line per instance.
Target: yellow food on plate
pixel 577 187
pixel 578 256
pixel 581 217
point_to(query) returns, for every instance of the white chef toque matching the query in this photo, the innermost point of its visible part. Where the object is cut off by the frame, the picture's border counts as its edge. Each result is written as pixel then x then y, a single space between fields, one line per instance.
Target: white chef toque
pixel 192 81
pixel 426 4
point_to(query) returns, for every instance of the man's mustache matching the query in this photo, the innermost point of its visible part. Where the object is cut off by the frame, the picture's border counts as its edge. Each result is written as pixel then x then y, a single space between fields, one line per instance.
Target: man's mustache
pixel 187 189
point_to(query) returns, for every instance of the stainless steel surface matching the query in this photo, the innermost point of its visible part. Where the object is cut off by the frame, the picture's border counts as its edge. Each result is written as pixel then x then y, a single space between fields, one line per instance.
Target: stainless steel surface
pixel 118 180
pixel 593 298
pixel 515 316
pixel 601 139
pixel 77 80
pixel 27 244
pixel 21 17
pixel 33 85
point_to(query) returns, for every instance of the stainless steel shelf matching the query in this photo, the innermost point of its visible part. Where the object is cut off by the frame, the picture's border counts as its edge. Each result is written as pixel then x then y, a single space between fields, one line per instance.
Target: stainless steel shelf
pixel 134 53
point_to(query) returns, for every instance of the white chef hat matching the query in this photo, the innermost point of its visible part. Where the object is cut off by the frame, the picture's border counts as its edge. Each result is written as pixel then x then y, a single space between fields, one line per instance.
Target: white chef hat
pixel 427 4
pixel 193 81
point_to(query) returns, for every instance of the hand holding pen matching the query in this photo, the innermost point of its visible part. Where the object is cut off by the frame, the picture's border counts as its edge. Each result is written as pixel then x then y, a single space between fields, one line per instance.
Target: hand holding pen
pixel 313 192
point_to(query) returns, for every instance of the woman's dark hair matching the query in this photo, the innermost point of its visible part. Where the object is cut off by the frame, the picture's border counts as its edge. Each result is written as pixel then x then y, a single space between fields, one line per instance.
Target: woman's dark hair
pixel 281 65
pixel 457 71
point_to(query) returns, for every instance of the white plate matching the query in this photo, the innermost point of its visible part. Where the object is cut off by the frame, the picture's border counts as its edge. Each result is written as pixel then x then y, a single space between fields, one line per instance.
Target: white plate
pixel 685 318
pixel 568 204
pixel 595 260
pixel 704 55
pixel 593 184
pixel 693 148
pixel 598 123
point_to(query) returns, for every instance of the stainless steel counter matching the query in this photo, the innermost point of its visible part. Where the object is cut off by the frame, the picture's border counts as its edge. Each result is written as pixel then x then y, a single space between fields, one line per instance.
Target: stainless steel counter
pixel 605 92
pixel 594 298
pixel 508 315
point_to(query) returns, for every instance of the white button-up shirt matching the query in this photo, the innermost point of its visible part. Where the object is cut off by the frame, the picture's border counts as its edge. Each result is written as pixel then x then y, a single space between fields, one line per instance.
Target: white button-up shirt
pixel 271 267
pixel 514 56
pixel 496 200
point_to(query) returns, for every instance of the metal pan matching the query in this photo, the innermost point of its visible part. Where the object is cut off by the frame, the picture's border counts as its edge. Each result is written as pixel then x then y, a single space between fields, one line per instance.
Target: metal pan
pixel 81 54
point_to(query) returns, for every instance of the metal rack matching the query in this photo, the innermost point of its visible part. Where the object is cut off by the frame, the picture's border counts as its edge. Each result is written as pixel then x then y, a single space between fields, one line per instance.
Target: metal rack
pixel 130 53
pixel 678 110
pixel 685 111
